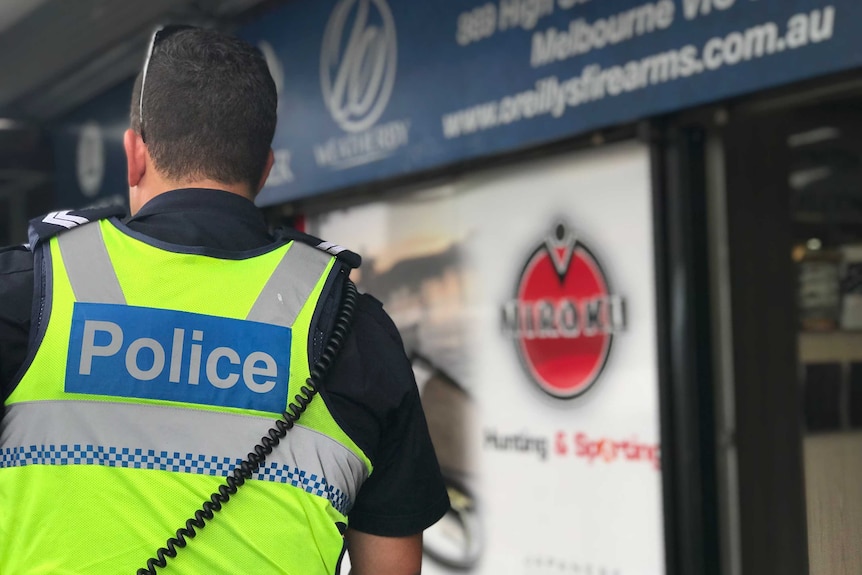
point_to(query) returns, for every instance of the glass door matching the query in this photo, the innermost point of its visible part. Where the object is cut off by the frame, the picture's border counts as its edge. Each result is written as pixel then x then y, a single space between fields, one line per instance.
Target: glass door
pixel 794 239
pixel 825 182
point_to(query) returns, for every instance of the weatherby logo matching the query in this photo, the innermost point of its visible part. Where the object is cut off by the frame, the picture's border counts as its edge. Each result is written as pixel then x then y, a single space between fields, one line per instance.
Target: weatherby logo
pixel 564 316
pixel 358 64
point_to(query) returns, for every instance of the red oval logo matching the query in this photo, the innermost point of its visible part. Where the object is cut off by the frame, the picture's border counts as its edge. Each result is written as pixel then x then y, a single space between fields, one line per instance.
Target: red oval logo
pixel 564 316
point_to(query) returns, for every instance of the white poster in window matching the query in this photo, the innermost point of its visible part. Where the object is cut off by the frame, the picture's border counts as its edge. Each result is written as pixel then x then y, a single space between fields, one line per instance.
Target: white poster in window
pixel 526 297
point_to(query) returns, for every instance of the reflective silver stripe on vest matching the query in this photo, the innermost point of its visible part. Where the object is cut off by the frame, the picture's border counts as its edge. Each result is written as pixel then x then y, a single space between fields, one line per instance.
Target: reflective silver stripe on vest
pixel 89 266
pixel 175 439
pixel 290 285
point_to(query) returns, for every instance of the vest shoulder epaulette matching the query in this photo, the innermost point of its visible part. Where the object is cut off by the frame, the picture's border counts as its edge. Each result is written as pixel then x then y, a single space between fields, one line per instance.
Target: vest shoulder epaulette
pixel 46 227
pixel 349 258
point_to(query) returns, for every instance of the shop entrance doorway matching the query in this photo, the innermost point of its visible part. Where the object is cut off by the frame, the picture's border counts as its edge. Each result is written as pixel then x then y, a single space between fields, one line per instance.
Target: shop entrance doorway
pixel 794 238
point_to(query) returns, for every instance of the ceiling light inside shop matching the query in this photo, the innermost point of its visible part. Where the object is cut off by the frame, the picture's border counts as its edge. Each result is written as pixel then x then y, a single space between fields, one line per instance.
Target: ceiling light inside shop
pixel 814 244
pixel 801 179
pixel 813 136
pixel 7 124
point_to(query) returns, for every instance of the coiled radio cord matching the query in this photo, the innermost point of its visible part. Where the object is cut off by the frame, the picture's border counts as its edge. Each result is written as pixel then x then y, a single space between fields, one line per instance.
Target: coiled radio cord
pixel 273 437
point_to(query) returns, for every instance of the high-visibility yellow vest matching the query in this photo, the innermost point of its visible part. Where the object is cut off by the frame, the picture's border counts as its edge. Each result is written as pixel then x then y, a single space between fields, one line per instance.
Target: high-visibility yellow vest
pixel 156 373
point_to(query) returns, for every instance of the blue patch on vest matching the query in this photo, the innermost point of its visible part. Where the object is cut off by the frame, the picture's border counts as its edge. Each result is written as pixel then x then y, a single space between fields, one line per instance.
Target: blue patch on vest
pixel 147 353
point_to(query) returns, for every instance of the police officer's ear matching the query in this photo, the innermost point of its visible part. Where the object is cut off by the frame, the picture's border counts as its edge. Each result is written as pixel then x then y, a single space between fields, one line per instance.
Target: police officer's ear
pixel 136 156
pixel 270 160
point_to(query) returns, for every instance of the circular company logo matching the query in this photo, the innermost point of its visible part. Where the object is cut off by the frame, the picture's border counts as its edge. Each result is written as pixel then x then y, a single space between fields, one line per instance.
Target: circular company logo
pixel 564 316
pixel 91 159
pixel 357 62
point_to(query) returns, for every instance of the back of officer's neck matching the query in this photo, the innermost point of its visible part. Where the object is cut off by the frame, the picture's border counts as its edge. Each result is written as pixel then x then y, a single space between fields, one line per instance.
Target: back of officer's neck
pixel 152 187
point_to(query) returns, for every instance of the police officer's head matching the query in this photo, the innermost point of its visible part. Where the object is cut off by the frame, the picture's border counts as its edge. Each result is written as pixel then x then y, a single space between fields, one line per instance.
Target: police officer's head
pixel 208 114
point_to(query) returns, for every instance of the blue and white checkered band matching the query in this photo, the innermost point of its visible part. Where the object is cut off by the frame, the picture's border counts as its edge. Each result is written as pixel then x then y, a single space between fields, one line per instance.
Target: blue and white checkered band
pixel 198 464
pixel 175 439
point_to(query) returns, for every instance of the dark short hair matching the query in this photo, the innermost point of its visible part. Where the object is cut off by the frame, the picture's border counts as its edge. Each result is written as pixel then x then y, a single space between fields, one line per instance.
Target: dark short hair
pixel 209 108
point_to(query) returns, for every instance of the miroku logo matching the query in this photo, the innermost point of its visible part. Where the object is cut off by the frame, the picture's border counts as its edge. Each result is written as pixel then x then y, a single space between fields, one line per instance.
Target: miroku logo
pixel 563 316
pixel 126 351
pixel 358 63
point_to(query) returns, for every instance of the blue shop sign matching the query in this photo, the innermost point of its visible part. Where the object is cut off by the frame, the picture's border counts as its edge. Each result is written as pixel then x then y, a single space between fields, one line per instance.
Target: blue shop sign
pixel 376 89
pixel 373 89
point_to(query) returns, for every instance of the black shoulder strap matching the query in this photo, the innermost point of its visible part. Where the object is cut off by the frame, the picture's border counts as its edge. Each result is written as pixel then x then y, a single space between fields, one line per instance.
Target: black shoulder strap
pixel 324 319
pixel 46 227
pixel 345 256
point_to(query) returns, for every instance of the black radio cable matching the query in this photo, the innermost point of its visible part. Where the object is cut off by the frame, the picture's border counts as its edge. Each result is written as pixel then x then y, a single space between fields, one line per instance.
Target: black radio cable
pixel 249 467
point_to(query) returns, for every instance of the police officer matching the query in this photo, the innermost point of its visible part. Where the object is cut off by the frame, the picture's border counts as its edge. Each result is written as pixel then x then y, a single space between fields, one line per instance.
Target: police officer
pixel 141 360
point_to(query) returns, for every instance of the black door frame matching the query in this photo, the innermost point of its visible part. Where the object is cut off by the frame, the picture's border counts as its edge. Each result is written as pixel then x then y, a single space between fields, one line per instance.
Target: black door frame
pixel 685 350
pixel 770 494
pixel 773 527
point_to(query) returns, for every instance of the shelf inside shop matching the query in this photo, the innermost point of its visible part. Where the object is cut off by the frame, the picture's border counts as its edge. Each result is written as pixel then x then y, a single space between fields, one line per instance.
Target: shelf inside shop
pixel 826 346
pixel 819 218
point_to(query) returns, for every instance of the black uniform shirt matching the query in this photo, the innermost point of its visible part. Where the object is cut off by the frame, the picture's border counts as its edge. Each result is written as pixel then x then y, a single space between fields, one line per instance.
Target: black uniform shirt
pixel 370 391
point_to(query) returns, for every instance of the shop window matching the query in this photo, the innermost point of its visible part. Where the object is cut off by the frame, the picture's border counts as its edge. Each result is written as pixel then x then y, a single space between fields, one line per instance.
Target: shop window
pixel 824 178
